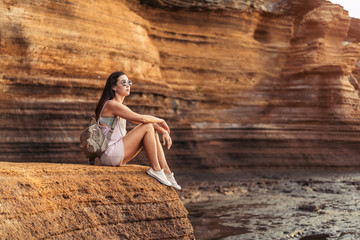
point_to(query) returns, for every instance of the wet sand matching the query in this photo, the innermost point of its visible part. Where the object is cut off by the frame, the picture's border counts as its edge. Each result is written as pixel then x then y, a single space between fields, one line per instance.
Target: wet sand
pixel 273 203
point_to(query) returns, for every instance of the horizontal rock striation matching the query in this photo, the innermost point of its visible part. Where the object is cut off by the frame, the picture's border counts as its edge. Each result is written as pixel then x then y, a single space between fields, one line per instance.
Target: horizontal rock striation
pixel 241 83
pixel 60 201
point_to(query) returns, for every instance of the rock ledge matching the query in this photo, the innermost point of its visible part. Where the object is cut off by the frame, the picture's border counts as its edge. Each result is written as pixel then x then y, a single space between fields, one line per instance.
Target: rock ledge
pixel 68 201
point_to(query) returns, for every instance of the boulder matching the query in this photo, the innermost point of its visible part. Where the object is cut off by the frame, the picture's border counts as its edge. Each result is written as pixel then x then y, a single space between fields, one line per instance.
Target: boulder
pixel 69 201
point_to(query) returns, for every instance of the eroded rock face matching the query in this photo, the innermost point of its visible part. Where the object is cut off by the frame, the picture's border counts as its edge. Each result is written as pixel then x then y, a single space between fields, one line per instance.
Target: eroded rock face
pixel 241 83
pixel 60 201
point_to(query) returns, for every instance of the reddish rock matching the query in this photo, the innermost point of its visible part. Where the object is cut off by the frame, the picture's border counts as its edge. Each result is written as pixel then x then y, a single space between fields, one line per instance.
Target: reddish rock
pixel 241 83
pixel 61 201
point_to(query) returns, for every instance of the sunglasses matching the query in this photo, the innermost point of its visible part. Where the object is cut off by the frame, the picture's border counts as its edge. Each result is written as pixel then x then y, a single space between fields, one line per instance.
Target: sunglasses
pixel 124 83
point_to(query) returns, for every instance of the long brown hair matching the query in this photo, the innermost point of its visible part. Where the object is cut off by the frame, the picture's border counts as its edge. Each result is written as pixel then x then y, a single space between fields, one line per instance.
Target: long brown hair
pixel 108 92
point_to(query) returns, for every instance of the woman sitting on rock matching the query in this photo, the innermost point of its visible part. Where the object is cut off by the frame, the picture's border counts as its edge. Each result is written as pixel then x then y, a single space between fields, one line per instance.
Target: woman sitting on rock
pixel 125 146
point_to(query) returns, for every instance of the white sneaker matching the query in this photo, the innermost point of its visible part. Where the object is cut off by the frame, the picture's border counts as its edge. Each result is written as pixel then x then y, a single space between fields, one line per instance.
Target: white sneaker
pixel 171 179
pixel 159 175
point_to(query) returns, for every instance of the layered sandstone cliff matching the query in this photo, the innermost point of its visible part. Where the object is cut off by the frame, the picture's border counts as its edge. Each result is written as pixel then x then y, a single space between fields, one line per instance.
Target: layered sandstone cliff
pixel 261 82
pixel 61 201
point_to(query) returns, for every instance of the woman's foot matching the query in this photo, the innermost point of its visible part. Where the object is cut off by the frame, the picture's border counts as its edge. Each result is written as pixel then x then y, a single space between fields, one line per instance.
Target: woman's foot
pixel 159 175
pixel 171 179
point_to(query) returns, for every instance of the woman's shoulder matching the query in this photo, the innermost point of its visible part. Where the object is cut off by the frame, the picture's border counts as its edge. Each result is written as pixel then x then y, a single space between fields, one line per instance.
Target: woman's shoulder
pixel 112 102
pixel 115 104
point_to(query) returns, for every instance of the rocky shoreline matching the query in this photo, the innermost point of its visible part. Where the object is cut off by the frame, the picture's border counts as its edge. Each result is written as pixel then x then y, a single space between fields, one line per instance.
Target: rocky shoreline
pixel 276 203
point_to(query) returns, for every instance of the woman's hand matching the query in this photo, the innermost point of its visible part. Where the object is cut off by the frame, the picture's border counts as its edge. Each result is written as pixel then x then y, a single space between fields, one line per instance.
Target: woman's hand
pixel 164 125
pixel 166 139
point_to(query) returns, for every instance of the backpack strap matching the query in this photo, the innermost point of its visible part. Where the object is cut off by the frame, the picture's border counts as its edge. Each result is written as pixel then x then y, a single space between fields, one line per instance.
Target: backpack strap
pixel 114 123
pixel 108 136
pixel 98 121
pixel 112 126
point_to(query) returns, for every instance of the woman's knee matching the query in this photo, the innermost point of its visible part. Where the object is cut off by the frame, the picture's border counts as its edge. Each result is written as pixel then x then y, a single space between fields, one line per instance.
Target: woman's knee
pixel 148 126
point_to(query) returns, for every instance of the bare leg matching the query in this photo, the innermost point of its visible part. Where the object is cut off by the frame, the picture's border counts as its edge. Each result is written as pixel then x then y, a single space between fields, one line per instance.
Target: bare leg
pixel 161 155
pixel 142 135
pixel 164 165
pixel 131 158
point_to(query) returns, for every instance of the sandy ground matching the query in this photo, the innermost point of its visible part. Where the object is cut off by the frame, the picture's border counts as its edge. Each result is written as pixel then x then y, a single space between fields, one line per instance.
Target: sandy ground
pixel 273 203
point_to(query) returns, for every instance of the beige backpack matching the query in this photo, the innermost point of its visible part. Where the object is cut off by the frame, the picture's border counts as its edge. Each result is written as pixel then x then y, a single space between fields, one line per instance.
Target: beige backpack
pixel 93 142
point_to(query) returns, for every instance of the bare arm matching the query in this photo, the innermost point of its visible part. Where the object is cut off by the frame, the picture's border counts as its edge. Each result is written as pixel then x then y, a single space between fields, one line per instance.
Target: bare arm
pixel 125 112
pixel 159 129
pixel 165 135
